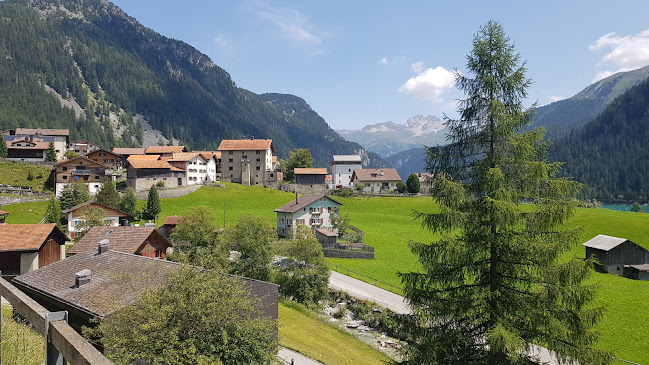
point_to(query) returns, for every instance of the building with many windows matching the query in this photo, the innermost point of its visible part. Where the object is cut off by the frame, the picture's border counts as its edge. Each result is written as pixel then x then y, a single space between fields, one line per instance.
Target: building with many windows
pixel 311 210
pixel 342 168
pixel 246 161
pixel 79 169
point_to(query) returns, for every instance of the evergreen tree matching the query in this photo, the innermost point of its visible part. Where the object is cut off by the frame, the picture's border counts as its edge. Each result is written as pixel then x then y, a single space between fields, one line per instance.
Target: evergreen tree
pixel 493 284
pixel 128 202
pixel 401 187
pixel 107 194
pixel 73 194
pixel 412 184
pixel 53 212
pixel 3 148
pixel 50 156
pixel 153 207
pixel 300 158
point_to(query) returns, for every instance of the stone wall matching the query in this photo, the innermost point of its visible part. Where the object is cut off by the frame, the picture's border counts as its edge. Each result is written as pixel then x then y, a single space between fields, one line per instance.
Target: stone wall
pixel 348 254
pixel 302 189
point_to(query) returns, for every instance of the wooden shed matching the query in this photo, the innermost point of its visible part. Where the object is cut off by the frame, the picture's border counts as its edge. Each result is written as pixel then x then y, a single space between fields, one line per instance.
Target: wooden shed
pixel 612 253
pixel 28 247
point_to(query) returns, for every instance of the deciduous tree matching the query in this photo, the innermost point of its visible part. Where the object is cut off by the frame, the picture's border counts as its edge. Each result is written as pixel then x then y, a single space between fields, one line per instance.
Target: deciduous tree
pixel 107 194
pixel 197 240
pixel 74 194
pixel 197 317
pixel 493 285
pixel 300 158
pixel 637 208
pixel 128 202
pixel 251 236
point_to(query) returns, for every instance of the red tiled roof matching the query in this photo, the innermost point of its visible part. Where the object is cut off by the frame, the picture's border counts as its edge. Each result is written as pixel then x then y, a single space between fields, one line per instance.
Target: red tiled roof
pixel 128 151
pixel 27 237
pixel 183 156
pixel 143 157
pixel 44 132
pixel 164 149
pixel 152 164
pixel 376 175
pixel 172 220
pixel 245 144
pixel 2 212
pixel 309 171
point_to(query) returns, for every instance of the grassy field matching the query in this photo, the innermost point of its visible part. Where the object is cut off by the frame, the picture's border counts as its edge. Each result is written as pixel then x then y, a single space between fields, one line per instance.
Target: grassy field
pixel 302 331
pixel 20 344
pixel 388 224
pixel 15 173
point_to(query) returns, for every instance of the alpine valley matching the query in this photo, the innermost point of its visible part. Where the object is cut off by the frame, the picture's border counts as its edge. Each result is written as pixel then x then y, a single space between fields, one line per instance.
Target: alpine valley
pixel 86 66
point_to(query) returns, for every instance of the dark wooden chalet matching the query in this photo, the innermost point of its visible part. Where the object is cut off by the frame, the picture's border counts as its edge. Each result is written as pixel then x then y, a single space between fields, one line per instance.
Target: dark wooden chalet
pixel 310 176
pixel 613 253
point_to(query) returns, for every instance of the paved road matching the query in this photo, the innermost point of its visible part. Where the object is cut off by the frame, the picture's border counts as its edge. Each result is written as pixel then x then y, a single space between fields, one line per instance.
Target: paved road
pixel 298 359
pixel 396 303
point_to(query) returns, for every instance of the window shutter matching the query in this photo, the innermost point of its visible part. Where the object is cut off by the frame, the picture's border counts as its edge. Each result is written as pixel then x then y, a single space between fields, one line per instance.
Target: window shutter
pixel 321 220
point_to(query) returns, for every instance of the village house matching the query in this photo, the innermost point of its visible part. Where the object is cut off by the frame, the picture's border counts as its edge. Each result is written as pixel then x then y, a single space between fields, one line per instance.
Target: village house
pixel 311 210
pixel 376 180
pixel 79 169
pixel 613 253
pixel 95 283
pixel 247 161
pixel 425 182
pixel 310 176
pixel 213 161
pixel 164 151
pixel 194 164
pixel 342 168
pixel 82 146
pixel 26 149
pixel 59 137
pixel 109 159
pixel 75 216
pixel 143 173
pixel 28 247
pixel 143 241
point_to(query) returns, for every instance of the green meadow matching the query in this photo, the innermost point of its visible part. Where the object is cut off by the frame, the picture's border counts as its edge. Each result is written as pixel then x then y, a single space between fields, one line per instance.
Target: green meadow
pixel 389 225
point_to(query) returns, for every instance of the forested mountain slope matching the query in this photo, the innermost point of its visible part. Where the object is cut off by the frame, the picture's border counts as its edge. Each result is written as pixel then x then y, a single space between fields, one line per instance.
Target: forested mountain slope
pixel 93 55
pixel 610 155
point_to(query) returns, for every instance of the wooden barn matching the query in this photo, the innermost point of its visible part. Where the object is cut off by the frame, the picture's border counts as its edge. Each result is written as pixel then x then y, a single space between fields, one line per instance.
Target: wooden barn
pixel 28 247
pixel 613 253
pixel 310 176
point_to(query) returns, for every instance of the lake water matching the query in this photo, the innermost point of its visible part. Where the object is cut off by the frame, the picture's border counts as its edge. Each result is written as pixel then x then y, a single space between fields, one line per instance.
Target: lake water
pixel 623 207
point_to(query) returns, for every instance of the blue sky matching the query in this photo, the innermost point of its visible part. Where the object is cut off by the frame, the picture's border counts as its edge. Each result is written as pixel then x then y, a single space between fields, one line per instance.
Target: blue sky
pixel 365 62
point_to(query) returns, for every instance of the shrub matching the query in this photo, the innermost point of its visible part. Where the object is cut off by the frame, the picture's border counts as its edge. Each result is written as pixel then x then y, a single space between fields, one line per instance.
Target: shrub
pixel 160 184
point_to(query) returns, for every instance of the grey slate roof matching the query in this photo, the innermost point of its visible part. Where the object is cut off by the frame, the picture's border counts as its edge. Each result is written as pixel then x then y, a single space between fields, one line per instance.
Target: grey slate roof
pixel 347 158
pixel 302 202
pixel 604 242
pixel 643 267
pixel 117 280
pixel 122 238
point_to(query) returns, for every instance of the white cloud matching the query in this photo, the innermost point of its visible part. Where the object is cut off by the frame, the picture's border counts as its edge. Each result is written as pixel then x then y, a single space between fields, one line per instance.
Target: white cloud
pixel 418 67
pixel 291 22
pixel 429 84
pixel 383 61
pixel 625 53
pixel 221 41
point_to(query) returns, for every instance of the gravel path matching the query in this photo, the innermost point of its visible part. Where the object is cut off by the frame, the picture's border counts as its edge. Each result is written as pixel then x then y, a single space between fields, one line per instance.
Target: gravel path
pixel 297 358
pixel 8 200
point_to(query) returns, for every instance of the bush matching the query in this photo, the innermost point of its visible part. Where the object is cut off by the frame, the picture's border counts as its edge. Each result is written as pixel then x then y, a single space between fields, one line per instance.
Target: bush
pixel 30 175
pixel 344 192
pixel 360 187
pixel 401 187
pixel 160 184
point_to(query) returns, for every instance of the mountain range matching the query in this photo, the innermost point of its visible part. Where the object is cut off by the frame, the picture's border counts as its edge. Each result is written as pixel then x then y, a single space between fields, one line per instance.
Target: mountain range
pixel 87 66
pixel 389 138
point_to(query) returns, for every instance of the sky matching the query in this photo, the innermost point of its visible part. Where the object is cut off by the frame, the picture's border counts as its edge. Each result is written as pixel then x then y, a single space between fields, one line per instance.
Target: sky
pixel 365 62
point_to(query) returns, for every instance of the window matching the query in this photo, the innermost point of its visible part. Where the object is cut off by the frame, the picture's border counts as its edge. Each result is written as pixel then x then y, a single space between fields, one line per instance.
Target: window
pixel 244 156
pixel 258 168
pixel 259 160
pixel 259 153
pixel 96 177
pixel 65 177
pixel 230 168
pixel 65 168
pixel 230 152
pixel 97 169
pixel 229 160
pixel 281 220
pixel 329 210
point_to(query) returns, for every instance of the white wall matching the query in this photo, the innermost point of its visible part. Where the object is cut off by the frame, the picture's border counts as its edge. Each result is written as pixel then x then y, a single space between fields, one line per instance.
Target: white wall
pixel 28 262
pixel 286 219
pixel 341 174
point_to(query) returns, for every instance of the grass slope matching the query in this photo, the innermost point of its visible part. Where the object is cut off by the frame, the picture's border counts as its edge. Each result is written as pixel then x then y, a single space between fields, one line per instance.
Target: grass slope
pixel 388 224
pixel 15 173
pixel 20 343
pixel 304 332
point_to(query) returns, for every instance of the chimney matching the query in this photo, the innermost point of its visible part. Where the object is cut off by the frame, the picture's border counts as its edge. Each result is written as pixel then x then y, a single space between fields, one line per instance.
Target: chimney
pixel 82 277
pixel 296 196
pixel 381 172
pixel 102 247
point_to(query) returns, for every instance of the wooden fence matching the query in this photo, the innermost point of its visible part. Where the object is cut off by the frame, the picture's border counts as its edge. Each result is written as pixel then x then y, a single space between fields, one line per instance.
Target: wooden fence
pixel 63 342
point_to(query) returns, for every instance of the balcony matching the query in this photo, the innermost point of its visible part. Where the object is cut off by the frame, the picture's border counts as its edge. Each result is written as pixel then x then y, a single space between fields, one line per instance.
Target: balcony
pixel 81 172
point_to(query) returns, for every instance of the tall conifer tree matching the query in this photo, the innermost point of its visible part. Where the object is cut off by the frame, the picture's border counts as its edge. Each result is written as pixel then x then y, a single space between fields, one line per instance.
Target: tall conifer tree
pixel 3 148
pixel 493 285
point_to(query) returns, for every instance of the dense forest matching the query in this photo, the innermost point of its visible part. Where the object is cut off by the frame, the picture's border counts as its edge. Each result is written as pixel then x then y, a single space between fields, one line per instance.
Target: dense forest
pixel 92 54
pixel 610 155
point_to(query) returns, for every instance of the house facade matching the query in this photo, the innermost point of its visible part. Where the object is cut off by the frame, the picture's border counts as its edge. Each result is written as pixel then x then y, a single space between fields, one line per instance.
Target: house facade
pixel 376 180
pixel 246 161
pixel 82 146
pixel 79 169
pixel 26 149
pixel 59 137
pixel 107 158
pixel 213 160
pixel 28 247
pixel 194 165
pixel 75 216
pixel 342 168
pixel 310 210
pixel 142 174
